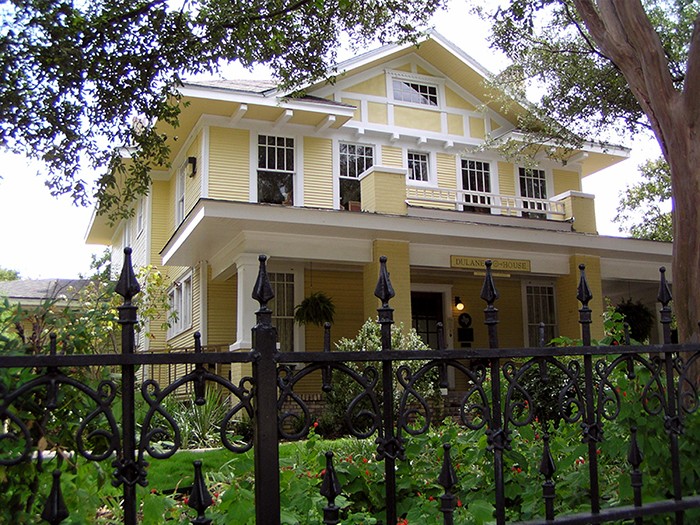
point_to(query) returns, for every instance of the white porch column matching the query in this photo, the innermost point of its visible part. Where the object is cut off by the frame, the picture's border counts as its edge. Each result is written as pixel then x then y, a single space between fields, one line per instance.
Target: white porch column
pixel 247 272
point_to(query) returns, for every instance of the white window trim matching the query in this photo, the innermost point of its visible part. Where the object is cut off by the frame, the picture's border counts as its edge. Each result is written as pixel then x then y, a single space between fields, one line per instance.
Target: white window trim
pixel 140 216
pixel 438 83
pixel 432 172
pixel 180 192
pixel 548 183
pixel 298 272
pixel 523 287
pixel 298 175
pixel 178 290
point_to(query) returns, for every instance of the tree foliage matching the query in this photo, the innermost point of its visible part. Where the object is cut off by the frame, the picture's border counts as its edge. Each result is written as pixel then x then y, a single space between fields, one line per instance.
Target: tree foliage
pixel 578 87
pixel 8 275
pixel 81 81
pixel 645 206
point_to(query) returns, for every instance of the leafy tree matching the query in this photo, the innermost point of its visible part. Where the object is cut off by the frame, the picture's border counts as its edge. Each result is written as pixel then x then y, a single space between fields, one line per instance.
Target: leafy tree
pixel 76 77
pixel 642 209
pixel 625 65
pixel 8 275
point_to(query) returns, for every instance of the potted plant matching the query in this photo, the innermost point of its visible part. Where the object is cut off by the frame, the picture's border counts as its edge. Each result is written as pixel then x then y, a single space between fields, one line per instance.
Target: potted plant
pixel 316 309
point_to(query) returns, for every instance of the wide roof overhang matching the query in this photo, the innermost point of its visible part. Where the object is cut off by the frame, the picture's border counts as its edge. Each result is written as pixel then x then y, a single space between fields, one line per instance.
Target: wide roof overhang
pixel 218 231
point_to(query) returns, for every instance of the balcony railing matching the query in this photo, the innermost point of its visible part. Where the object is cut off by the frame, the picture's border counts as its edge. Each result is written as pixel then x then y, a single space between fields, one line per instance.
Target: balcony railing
pixel 476 201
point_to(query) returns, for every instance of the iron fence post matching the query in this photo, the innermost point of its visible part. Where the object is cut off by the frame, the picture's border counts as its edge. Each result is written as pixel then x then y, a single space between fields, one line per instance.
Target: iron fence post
pixel 591 429
pixel 389 448
pixel 266 451
pixel 128 472
pixel 672 423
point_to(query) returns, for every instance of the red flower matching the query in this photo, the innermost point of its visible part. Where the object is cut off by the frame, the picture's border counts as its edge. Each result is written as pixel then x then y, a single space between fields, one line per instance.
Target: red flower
pixel 366 472
pixel 459 502
pixel 315 424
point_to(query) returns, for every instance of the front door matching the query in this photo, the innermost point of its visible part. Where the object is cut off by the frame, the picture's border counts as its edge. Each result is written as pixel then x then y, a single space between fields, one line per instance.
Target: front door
pixel 426 308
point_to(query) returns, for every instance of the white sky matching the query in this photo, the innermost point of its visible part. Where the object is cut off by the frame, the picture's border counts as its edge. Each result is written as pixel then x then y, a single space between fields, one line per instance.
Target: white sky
pixel 43 237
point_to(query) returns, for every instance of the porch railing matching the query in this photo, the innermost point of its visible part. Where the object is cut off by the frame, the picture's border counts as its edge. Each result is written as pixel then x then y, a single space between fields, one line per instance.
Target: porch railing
pixel 498 400
pixel 476 200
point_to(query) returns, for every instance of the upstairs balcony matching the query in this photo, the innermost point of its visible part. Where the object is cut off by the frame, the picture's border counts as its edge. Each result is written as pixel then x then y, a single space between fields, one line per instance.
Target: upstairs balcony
pixel 384 190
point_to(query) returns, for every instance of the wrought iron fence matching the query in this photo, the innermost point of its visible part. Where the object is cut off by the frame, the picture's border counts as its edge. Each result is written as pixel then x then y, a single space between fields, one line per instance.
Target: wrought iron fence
pixel 501 397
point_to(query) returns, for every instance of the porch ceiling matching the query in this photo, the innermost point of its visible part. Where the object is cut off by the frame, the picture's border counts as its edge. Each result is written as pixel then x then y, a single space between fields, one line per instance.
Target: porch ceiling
pixel 220 230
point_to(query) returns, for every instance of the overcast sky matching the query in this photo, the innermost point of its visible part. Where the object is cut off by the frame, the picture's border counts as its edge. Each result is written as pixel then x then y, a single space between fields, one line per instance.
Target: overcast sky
pixel 43 236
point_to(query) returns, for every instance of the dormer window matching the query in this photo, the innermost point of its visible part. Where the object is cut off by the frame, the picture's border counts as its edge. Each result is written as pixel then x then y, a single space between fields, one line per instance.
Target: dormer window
pixel 415 92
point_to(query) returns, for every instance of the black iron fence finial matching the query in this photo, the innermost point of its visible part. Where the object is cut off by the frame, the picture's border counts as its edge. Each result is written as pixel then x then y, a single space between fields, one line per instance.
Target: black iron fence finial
pixel 127 285
pixel 200 499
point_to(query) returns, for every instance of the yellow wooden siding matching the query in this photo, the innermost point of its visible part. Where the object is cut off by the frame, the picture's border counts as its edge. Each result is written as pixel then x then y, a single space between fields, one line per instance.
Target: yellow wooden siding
pixel 345 288
pixel 506 178
pixel 318 172
pixel 398 263
pixel 565 180
pixel 455 124
pixel 404 67
pixel 446 170
pixel 423 119
pixel 383 192
pixel 477 128
pixel 229 164
pixel 392 157
pixel 453 100
pixel 162 217
pixel 377 113
pixel 193 185
pixel 568 305
pixel 373 86
pixel 354 102
pixel 221 317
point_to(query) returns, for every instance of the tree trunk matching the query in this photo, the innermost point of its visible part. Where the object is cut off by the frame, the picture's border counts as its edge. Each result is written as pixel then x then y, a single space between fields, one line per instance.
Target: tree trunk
pixel 624 34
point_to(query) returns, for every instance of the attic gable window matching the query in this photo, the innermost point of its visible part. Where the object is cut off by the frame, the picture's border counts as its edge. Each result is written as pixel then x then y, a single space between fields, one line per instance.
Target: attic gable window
pixel 415 92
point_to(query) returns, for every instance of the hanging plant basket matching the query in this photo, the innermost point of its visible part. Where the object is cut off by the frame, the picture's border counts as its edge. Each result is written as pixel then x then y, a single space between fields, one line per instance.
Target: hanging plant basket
pixel 316 309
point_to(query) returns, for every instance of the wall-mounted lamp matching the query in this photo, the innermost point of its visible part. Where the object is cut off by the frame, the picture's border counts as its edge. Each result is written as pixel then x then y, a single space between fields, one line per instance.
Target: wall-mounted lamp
pixel 192 164
pixel 459 305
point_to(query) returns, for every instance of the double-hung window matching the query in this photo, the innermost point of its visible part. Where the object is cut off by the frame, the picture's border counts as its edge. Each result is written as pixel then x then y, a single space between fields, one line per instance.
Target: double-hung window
pixel 415 92
pixel 533 190
pixel 354 160
pixel 418 166
pixel 540 310
pixel 282 307
pixel 276 170
pixel 180 297
pixel 476 183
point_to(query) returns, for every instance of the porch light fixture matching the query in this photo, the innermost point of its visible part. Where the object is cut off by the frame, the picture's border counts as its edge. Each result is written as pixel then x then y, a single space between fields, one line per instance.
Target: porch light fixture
pixel 192 161
pixel 459 305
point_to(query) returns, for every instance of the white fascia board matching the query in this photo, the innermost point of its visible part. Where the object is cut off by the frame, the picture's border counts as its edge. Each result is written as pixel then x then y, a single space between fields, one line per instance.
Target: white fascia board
pixel 269 101
pixel 178 240
pixel 592 147
pixel 459 53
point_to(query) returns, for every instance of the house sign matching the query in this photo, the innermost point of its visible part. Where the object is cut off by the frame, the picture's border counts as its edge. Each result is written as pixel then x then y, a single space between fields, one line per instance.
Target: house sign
pixel 499 265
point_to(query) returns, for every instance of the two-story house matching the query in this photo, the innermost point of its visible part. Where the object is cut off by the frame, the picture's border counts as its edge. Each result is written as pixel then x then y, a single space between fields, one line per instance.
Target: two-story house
pixel 386 160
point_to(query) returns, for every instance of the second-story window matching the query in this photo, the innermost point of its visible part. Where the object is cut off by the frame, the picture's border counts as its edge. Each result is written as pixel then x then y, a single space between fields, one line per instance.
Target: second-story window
pixel 533 190
pixel 276 170
pixel 180 193
pixel 415 92
pixel 418 166
pixel 476 183
pixel 354 160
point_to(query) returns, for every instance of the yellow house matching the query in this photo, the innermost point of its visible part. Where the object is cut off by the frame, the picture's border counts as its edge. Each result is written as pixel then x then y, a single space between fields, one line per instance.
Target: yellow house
pixel 386 160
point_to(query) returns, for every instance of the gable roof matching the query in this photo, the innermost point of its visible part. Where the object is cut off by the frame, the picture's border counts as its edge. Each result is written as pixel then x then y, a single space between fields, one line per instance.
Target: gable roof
pixel 37 290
